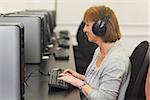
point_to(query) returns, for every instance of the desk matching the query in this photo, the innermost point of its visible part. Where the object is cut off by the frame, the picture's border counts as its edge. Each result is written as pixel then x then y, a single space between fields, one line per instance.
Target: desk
pixel 37 88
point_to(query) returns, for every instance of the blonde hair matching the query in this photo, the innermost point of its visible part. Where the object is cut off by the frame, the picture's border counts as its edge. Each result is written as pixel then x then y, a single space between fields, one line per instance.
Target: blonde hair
pixel 113 31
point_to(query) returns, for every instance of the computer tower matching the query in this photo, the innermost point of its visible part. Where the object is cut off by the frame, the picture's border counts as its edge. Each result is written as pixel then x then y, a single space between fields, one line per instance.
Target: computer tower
pixel 32 36
pixel 11 61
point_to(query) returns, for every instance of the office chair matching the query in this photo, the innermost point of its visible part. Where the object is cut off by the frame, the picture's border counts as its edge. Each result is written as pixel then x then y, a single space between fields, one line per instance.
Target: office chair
pixel 83 53
pixel 140 62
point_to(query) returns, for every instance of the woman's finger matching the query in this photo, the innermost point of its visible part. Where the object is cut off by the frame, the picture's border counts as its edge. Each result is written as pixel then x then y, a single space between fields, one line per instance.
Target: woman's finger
pixel 62 75
pixel 60 78
pixel 67 71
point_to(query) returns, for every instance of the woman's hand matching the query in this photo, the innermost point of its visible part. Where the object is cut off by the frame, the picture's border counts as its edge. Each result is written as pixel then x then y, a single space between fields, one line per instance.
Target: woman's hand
pixel 70 71
pixel 69 78
pixel 74 73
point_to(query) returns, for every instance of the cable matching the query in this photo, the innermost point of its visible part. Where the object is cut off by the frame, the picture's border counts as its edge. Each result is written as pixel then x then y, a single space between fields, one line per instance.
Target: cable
pixel 30 75
pixel 42 73
pixel 26 78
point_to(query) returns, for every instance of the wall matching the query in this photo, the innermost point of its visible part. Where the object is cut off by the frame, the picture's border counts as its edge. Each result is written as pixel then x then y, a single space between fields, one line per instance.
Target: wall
pixel 132 14
pixel 126 10
pixel 7 6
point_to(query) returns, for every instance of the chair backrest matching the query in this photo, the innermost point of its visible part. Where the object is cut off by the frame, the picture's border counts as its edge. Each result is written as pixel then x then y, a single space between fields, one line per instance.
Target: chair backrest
pixel 87 48
pixel 139 61
pixel 83 53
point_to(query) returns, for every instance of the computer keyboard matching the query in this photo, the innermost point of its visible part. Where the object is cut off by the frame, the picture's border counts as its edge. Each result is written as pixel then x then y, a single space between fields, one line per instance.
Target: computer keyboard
pixel 54 82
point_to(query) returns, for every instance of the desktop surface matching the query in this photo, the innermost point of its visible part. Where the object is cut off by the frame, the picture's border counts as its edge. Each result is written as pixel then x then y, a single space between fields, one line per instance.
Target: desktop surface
pixel 37 88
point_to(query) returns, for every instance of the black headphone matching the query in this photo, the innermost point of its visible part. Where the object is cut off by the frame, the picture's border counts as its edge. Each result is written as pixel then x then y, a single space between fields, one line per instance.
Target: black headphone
pixel 99 28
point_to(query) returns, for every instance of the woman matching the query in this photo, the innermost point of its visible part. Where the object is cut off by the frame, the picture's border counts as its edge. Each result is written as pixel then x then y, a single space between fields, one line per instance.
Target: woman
pixel 107 75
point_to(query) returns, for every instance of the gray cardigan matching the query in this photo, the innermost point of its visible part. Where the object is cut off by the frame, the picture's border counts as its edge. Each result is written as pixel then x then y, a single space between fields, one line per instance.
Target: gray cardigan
pixel 110 81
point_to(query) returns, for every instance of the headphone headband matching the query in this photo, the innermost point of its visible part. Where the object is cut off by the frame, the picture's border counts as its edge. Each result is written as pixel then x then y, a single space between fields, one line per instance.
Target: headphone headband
pixel 103 17
pixel 99 28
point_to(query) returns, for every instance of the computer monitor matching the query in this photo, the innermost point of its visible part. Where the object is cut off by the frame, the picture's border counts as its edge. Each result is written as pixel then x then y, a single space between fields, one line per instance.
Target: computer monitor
pixel 47 32
pixel 32 34
pixel 49 15
pixel 11 61
pixel 54 18
pixel 44 40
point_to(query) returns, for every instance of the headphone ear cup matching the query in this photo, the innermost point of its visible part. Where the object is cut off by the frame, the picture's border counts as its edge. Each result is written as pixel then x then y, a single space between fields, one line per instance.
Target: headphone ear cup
pixel 98 30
